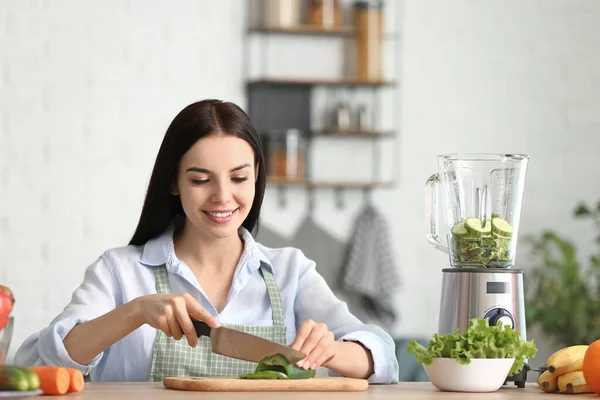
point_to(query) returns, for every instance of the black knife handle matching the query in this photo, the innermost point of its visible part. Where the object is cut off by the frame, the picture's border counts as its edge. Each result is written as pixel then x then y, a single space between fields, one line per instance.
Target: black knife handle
pixel 202 329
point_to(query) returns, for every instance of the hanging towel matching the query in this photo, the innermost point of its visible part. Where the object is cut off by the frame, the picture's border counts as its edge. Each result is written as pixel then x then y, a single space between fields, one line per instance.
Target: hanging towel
pixel 369 271
pixel 321 247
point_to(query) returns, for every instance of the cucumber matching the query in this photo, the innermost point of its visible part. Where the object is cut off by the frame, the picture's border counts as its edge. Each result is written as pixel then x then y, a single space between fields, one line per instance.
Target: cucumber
pixel 473 226
pixel 481 245
pixel 32 378
pixel 501 227
pixel 13 378
pixel 487 228
pixel 458 230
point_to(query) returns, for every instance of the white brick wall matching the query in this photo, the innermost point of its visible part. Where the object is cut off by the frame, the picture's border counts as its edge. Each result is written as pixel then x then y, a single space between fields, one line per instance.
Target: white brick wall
pixel 87 89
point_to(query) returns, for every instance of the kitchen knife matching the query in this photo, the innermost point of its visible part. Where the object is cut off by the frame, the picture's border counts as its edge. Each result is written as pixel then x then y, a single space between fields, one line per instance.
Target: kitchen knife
pixel 244 346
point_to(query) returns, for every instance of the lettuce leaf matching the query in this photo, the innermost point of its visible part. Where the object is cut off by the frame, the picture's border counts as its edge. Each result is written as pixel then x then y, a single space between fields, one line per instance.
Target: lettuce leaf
pixel 480 340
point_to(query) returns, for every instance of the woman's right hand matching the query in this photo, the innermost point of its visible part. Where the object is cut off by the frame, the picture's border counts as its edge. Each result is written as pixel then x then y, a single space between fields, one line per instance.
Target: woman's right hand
pixel 173 314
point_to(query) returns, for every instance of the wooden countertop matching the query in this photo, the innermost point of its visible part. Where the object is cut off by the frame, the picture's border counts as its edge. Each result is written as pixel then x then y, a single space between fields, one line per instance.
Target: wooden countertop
pixel 403 390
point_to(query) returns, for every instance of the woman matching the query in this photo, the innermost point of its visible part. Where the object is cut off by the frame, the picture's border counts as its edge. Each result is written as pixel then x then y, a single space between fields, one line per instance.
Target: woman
pixel 193 256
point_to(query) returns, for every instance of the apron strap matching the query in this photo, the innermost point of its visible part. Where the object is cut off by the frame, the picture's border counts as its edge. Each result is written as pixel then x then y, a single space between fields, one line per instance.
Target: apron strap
pixel 162 287
pixel 274 294
pixel 162 279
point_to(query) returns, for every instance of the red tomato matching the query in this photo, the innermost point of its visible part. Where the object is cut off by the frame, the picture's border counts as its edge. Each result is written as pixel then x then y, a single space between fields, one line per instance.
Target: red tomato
pixel 5 308
pixel 9 292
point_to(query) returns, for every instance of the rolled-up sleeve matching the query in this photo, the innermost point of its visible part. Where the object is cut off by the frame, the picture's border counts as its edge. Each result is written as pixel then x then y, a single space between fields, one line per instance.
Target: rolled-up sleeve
pixel 315 300
pixel 94 297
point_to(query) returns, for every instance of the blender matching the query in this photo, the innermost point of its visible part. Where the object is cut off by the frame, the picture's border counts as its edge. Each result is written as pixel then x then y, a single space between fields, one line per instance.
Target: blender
pixel 481 197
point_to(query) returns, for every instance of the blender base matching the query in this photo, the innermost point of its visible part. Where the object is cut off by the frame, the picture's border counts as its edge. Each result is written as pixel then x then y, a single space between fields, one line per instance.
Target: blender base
pixel 519 379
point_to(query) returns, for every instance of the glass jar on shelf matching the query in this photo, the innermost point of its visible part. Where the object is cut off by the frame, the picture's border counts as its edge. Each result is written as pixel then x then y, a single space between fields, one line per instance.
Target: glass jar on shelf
pixel 368 28
pixel 287 155
pixel 324 13
pixel 281 13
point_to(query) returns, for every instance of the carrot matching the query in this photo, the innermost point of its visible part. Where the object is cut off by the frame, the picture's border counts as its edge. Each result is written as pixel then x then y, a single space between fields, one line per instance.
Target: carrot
pixel 76 382
pixel 53 380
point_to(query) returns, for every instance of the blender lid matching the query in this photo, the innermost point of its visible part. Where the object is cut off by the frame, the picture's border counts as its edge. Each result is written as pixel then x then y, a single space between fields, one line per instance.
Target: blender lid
pixel 484 156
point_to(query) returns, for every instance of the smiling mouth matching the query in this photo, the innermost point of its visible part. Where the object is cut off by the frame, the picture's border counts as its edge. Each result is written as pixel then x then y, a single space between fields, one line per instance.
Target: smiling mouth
pixel 222 216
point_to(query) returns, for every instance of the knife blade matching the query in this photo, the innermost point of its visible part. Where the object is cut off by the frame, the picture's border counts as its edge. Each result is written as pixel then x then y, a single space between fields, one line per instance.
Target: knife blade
pixel 244 346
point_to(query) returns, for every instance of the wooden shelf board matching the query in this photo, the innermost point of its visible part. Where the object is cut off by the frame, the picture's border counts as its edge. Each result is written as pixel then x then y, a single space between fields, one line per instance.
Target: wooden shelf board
pixel 345 30
pixel 328 184
pixel 318 82
pixel 352 132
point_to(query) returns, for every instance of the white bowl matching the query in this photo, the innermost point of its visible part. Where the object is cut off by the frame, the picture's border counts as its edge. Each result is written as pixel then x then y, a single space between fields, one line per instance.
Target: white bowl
pixel 480 375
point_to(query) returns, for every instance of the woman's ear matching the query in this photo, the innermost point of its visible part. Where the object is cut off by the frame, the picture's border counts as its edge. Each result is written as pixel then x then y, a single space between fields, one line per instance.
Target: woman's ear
pixel 174 189
pixel 256 169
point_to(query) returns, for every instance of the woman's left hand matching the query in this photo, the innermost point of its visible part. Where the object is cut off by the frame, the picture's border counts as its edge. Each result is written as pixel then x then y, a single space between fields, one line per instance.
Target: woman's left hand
pixel 317 342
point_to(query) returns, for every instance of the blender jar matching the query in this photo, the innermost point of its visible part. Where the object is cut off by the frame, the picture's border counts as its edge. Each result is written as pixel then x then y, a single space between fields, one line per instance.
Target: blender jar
pixel 481 196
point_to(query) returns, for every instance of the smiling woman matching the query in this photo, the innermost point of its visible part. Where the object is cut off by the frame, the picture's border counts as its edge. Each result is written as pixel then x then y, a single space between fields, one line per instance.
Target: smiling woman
pixel 193 257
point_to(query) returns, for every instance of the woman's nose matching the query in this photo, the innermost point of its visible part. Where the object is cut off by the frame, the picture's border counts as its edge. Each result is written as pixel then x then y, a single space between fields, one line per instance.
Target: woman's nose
pixel 222 193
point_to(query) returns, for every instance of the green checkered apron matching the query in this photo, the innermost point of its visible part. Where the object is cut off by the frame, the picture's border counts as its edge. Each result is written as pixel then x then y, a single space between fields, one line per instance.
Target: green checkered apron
pixel 177 358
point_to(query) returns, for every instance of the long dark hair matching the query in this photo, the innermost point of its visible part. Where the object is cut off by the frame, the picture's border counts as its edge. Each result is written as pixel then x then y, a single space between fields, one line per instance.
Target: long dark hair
pixel 194 122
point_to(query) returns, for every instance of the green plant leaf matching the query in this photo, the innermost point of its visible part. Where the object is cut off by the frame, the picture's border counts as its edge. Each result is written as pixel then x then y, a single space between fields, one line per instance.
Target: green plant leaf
pixel 559 299
pixel 582 210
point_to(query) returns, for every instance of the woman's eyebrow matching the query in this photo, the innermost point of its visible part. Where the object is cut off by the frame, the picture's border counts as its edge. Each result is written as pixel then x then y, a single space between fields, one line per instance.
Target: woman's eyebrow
pixel 196 169
pixel 207 171
pixel 245 165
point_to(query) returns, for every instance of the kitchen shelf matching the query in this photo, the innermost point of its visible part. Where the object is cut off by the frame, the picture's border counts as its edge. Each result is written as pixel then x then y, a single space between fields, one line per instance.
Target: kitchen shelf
pixel 318 82
pixel 352 132
pixel 278 102
pixel 339 186
pixel 346 30
pixel 328 184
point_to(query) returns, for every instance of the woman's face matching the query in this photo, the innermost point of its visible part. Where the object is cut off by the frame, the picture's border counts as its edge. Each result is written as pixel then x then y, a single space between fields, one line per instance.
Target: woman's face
pixel 215 182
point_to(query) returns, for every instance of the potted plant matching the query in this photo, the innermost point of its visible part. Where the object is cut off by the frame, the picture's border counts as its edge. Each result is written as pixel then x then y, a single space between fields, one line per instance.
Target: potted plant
pixel 562 295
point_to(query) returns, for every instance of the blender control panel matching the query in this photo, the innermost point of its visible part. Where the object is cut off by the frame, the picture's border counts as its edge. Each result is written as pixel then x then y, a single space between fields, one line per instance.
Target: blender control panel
pixel 497 287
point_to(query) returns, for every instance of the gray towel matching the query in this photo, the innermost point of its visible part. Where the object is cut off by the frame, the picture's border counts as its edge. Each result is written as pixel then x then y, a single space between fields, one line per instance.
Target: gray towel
pixel 369 271
pixel 321 247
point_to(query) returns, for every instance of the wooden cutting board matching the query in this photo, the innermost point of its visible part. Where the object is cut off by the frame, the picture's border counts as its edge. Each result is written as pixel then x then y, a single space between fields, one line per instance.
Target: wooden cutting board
pixel 229 384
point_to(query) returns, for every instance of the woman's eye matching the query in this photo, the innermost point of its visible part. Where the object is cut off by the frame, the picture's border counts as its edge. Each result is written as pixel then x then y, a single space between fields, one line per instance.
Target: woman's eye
pixel 199 181
pixel 240 179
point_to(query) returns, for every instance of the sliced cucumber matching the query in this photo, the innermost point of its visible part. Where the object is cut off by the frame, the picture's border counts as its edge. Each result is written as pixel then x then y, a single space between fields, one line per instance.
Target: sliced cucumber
pixel 479 245
pixel 487 228
pixel 458 230
pixel 473 226
pixel 501 227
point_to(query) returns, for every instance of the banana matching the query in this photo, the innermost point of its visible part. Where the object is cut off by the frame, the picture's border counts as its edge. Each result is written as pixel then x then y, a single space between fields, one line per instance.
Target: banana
pixel 548 382
pixel 573 382
pixel 567 360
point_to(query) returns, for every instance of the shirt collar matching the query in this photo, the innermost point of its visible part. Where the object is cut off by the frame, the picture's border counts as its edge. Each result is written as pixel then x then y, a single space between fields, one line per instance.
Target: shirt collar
pixel 160 250
pixel 252 254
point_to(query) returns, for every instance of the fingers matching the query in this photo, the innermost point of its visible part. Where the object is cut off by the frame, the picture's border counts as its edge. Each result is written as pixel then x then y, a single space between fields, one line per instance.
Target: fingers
pixel 173 324
pixel 303 332
pixel 197 312
pixel 163 325
pixel 184 321
pixel 173 315
pixel 320 352
pixel 324 358
pixel 312 341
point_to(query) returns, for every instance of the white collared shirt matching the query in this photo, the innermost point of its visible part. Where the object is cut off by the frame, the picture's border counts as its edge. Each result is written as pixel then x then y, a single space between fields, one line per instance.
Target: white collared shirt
pixel 123 274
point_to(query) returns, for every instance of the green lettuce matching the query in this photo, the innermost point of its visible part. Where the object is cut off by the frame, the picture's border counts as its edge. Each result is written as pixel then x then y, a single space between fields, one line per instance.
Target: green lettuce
pixel 480 340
